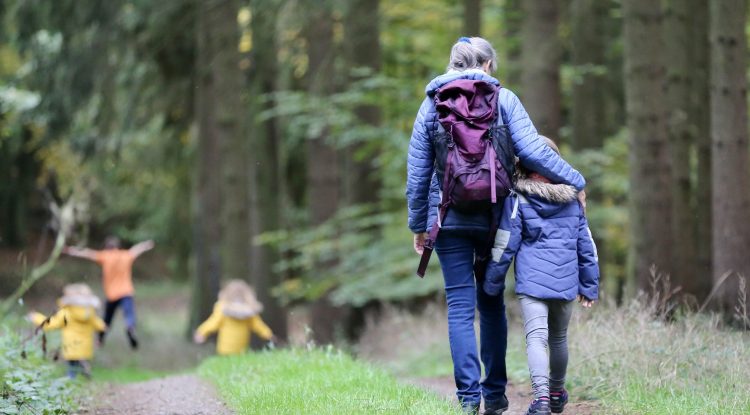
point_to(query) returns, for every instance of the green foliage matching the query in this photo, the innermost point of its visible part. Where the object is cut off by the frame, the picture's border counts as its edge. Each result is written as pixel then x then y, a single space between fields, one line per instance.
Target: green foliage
pixel 31 384
pixel 371 256
pixel 314 382
pixel 606 172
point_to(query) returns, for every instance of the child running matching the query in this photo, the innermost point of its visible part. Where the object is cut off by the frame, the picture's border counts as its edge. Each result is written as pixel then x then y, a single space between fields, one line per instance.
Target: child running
pixel 544 227
pixel 236 315
pixel 78 321
pixel 117 279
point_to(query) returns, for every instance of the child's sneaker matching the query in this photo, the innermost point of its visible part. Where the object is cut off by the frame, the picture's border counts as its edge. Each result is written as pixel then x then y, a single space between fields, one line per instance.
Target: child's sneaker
pixel 539 407
pixel 557 401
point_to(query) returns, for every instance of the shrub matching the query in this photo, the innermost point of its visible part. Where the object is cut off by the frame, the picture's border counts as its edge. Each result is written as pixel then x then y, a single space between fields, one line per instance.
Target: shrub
pixel 30 383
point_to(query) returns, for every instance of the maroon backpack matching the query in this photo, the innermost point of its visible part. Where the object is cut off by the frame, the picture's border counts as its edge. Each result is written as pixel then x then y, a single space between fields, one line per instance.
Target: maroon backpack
pixel 473 154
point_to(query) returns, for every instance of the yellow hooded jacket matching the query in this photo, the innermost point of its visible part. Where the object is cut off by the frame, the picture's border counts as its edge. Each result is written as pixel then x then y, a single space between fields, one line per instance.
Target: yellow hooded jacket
pixel 234 332
pixel 78 324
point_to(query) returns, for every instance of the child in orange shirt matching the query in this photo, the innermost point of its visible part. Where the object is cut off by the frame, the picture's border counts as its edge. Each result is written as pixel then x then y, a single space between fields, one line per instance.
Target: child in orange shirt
pixel 117 279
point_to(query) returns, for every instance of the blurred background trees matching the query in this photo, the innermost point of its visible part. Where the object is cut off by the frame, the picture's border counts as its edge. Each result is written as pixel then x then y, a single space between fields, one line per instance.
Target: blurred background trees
pixel 266 139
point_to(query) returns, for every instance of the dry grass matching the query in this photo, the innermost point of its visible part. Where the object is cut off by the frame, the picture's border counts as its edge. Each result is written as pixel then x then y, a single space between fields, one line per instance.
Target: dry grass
pixel 626 358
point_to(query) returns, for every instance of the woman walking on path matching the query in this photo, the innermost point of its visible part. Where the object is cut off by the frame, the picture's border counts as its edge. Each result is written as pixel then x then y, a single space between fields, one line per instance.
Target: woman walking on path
pixel 463 236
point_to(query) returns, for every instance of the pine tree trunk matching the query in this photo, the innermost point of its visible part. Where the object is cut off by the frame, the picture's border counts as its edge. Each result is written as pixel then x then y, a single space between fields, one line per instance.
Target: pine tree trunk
pixel 731 202
pixel 512 24
pixel 265 188
pixel 207 226
pixel 472 18
pixel 650 194
pixel 681 126
pixel 323 188
pixel 235 162
pixel 588 44
pixel 541 55
pixel 699 75
pixel 363 52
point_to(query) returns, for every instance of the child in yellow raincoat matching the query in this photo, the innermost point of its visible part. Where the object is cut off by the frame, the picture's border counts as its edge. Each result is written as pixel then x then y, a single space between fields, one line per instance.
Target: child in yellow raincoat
pixel 236 315
pixel 78 321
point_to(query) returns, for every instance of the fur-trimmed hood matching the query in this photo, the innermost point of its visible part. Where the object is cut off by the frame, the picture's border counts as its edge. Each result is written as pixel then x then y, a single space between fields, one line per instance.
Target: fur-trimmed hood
pixel 238 300
pixel 546 198
pixel 78 294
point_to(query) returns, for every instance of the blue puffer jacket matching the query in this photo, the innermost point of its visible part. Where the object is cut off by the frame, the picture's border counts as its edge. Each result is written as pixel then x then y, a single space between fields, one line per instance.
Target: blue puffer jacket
pixel 422 189
pixel 545 228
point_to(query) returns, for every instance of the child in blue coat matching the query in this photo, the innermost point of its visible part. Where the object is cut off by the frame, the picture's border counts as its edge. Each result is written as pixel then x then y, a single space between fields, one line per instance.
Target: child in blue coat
pixel 543 226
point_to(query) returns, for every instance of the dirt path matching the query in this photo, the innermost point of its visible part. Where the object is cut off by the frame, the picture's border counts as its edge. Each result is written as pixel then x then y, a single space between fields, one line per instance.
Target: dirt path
pixel 519 399
pixel 172 395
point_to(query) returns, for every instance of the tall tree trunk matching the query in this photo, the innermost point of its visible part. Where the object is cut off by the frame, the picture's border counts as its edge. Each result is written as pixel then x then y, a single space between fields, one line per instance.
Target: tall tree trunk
pixel 363 52
pixel 207 226
pixel 228 105
pixel 362 183
pixel 323 187
pixel 699 75
pixel 472 18
pixel 681 126
pixel 541 55
pixel 265 189
pixel 512 24
pixel 588 44
pixel 731 201
pixel 650 195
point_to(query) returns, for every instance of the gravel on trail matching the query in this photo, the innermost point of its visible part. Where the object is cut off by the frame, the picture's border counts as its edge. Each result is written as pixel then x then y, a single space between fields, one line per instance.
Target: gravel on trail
pixel 172 395
pixel 518 397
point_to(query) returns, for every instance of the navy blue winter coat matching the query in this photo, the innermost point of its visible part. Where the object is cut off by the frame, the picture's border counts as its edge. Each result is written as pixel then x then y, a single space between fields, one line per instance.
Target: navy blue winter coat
pixel 422 189
pixel 544 227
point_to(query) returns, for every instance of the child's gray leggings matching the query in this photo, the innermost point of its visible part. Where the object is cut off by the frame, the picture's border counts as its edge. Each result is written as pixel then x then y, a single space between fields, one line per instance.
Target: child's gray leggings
pixel 546 323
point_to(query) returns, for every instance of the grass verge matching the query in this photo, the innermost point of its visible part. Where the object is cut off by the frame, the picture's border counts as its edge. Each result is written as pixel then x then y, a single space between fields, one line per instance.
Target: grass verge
pixel 314 382
pixel 623 358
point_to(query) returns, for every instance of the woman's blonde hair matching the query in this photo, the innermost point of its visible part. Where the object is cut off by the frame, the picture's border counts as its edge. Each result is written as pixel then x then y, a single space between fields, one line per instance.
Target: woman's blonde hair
pixel 472 53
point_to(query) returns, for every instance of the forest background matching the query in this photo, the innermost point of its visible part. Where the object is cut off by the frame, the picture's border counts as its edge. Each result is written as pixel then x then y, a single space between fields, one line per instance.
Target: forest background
pixel 266 139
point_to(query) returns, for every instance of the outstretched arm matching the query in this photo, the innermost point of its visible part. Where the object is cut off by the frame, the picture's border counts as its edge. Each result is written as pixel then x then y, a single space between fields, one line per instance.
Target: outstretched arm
pixel 141 247
pixel 84 253
pixel 531 149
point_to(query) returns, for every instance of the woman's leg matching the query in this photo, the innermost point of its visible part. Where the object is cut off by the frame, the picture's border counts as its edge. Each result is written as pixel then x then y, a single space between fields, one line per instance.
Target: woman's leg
pixel 456 253
pixel 559 317
pixel 535 314
pixel 493 333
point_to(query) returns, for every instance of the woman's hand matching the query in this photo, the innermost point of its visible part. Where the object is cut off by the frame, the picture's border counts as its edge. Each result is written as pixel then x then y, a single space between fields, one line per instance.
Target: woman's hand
pixel 585 302
pixel 419 239
pixel 198 339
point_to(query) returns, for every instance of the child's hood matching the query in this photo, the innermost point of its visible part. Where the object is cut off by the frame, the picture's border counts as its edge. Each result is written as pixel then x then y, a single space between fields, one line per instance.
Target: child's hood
pixel 237 310
pixel 546 199
pixel 79 313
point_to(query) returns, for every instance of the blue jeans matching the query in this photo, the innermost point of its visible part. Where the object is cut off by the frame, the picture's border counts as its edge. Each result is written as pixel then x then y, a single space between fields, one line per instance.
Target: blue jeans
pixel 75 366
pixel 128 310
pixel 456 251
